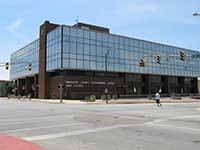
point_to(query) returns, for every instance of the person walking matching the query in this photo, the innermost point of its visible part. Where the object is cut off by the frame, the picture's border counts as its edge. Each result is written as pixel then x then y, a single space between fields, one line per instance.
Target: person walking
pixel 157 98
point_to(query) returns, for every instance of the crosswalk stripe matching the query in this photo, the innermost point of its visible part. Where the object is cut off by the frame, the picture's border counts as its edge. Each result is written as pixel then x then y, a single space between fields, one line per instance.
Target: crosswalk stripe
pixel 74 133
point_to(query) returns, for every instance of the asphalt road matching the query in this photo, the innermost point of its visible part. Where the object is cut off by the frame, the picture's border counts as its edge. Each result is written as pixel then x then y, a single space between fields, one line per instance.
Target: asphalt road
pixel 103 127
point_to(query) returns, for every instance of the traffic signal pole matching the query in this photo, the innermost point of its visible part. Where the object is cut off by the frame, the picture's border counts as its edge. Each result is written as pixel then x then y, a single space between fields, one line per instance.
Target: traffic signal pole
pixel 61 86
pixel 158 57
pixel 142 60
pixel 7 64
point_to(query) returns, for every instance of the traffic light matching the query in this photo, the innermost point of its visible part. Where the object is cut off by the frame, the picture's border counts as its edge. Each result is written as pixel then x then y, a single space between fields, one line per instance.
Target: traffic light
pixel 29 67
pixel 158 59
pixel 182 55
pixel 7 66
pixel 142 62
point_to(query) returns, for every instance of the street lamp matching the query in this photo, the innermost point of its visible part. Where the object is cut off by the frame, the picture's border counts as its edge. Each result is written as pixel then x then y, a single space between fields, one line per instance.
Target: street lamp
pixel 196 14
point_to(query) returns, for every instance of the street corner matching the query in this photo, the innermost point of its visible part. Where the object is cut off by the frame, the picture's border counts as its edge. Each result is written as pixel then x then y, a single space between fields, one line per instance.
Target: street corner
pixel 12 143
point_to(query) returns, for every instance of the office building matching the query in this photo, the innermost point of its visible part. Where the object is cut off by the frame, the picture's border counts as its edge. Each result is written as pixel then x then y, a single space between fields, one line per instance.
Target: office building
pixel 86 59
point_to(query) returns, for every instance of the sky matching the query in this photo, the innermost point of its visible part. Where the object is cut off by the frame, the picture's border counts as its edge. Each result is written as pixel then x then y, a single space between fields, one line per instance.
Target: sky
pixel 164 21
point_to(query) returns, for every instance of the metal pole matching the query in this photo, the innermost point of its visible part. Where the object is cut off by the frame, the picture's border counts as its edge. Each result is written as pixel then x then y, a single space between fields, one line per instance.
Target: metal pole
pixel 105 63
pixel 61 95
pixel 61 92
pixel 106 60
pixel 106 92
pixel 106 69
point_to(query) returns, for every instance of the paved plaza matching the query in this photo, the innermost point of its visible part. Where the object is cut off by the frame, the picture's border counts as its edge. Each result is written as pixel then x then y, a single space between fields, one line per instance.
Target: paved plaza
pixel 74 126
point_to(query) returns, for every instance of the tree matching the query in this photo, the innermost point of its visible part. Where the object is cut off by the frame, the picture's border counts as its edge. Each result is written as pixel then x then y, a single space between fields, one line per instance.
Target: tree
pixel 9 87
pixel 1 90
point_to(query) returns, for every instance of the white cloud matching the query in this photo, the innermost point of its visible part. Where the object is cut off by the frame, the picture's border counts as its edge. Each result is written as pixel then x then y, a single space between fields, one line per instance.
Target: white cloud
pixel 13 28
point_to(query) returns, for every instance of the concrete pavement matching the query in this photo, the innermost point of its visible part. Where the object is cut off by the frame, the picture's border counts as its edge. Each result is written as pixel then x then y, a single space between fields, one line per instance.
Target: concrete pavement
pixel 95 127
pixel 119 101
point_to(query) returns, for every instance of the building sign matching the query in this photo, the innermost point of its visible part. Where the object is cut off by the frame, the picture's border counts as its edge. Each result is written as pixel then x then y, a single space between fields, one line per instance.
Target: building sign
pixel 71 82
pixel 82 83
pixel 94 82
pixel 111 83
pixel 68 85
pixel 78 85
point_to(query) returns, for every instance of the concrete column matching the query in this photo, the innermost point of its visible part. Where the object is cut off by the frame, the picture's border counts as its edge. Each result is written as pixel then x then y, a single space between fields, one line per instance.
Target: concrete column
pixel 20 85
pixel 35 86
pixel 28 85
pixel 165 81
pixel 43 76
pixel 194 85
pixel 182 88
pixel 125 83
pixel 146 84
pixel 15 85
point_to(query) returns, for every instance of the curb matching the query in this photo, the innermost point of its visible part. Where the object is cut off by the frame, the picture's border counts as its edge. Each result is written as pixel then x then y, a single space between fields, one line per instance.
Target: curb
pixel 77 102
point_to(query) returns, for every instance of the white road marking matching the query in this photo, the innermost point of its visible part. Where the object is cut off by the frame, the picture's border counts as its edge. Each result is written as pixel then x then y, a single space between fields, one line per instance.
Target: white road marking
pixel 129 117
pixel 170 118
pixel 185 117
pixel 101 129
pixel 35 118
pixel 30 120
pixel 157 122
pixel 77 132
pixel 46 127
pixel 179 128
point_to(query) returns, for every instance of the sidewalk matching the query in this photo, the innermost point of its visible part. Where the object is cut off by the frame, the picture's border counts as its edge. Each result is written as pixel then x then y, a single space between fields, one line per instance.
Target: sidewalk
pixel 119 101
pixel 163 100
